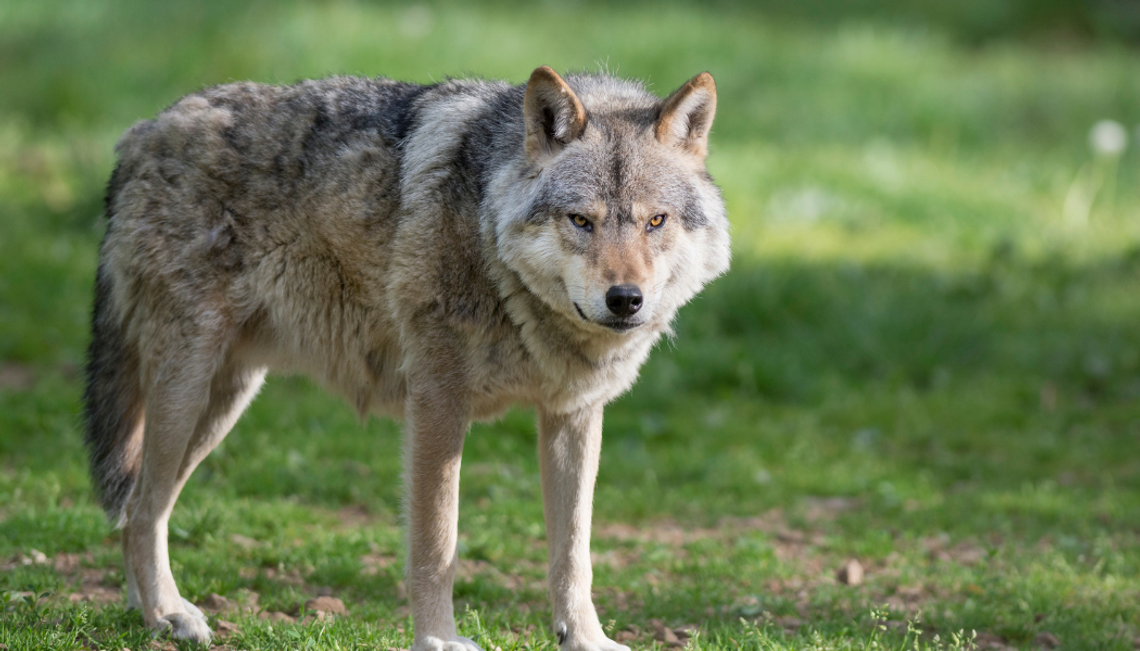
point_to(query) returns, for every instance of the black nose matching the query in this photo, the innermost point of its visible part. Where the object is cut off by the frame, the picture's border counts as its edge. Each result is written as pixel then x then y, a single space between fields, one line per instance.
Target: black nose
pixel 624 300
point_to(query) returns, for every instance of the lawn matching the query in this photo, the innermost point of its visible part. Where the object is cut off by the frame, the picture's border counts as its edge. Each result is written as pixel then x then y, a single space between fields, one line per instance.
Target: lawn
pixel 926 358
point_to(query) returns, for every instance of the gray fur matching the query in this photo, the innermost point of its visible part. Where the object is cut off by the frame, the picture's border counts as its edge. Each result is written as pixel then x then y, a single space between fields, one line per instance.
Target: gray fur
pixel 395 242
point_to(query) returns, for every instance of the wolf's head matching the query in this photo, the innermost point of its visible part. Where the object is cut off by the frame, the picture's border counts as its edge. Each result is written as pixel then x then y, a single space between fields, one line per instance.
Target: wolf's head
pixel 610 217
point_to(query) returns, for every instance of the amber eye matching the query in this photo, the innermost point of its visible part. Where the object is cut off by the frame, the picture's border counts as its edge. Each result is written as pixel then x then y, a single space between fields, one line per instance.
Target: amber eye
pixel 656 222
pixel 582 222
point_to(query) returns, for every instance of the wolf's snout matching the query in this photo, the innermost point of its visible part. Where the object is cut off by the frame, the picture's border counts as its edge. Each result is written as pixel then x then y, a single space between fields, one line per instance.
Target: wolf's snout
pixel 624 300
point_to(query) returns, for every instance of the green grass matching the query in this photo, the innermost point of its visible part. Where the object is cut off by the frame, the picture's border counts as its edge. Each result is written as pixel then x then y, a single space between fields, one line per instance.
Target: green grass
pixel 926 357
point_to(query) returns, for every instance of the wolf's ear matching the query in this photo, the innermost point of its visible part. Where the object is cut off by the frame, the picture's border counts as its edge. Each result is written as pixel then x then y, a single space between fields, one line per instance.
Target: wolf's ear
pixel 687 115
pixel 553 114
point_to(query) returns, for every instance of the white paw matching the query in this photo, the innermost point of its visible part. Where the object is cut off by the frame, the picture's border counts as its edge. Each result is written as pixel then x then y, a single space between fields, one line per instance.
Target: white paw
pixel 193 610
pixel 432 643
pixel 184 626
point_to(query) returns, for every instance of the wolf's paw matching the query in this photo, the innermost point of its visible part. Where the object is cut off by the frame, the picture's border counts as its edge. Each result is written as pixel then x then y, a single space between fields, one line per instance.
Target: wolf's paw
pixel 432 643
pixel 184 626
pixel 193 610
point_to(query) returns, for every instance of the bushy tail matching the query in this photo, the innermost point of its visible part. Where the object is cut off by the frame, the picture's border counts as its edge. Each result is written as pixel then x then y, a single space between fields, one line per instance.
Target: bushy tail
pixel 113 406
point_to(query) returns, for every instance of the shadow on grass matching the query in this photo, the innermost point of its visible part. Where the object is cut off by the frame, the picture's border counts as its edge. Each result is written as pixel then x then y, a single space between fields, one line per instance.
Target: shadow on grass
pixel 789 330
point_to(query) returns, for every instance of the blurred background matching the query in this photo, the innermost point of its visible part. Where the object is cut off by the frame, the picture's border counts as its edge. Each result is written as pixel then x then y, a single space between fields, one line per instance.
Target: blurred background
pixel 932 323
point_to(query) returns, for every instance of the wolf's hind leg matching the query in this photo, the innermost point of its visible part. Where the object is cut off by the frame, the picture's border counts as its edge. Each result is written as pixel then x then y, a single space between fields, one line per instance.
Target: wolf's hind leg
pixel 190 408
pixel 231 391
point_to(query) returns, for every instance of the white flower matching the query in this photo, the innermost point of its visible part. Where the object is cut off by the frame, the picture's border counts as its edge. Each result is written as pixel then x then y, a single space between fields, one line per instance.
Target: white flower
pixel 1108 138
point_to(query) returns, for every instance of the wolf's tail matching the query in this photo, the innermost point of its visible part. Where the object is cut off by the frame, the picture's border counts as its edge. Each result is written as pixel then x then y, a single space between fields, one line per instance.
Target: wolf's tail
pixel 113 406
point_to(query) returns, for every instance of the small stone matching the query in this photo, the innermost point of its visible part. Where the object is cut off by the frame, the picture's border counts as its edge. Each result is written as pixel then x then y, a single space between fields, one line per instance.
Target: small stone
pixel 987 640
pixel 248 600
pixel 790 536
pixel 225 629
pixel 1047 640
pixel 625 636
pixel 851 573
pixel 35 557
pixel 664 634
pixel 328 605
pixel 66 563
pixel 686 631
pixel 216 603
pixel 276 616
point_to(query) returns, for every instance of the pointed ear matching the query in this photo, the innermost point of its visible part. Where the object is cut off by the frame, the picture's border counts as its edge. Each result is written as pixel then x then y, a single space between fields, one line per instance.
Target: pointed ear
pixel 687 115
pixel 553 114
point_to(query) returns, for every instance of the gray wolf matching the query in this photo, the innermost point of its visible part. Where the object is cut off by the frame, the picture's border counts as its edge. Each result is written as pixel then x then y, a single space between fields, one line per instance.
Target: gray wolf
pixel 432 252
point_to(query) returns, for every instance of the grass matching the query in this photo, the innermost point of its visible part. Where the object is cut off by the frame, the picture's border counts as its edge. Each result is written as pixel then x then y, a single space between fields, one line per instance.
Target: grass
pixel 926 357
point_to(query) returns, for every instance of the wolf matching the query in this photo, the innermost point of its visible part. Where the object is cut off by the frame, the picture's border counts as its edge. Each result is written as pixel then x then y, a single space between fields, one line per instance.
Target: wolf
pixel 435 253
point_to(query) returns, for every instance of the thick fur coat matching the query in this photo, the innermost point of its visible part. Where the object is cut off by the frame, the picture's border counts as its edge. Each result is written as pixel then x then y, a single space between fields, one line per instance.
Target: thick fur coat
pixel 434 253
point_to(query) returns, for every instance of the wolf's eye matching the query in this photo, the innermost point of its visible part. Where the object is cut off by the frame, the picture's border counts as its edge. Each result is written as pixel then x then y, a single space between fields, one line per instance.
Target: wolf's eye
pixel 582 222
pixel 656 222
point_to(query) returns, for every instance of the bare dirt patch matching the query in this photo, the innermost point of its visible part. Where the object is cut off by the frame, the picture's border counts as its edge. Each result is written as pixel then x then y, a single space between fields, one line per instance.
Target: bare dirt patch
pixel 811 566
pixel 89 584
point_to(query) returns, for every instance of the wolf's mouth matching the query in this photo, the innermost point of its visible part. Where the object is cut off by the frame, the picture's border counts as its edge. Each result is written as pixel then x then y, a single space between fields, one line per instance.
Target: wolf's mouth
pixel 616 326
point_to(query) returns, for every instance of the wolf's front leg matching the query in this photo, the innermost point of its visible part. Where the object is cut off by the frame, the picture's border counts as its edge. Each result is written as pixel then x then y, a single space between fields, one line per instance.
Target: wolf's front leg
pixel 436 426
pixel 569 446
